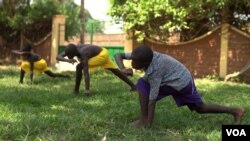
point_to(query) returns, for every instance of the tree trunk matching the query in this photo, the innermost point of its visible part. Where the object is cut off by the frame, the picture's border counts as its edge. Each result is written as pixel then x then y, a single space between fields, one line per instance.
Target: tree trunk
pixel 82 21
pixel 226 14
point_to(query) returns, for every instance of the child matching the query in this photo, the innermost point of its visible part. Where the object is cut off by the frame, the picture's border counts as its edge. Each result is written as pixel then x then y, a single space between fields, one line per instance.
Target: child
pixel 90 57
pixel 166 76
pixel 32 62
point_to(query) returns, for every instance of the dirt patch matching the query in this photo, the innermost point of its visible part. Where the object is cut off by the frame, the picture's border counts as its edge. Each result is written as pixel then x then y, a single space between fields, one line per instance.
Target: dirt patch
pixel 3 67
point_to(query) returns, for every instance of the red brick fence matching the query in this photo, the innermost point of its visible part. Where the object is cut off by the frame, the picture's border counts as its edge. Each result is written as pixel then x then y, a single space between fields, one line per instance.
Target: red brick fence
pixel 223 51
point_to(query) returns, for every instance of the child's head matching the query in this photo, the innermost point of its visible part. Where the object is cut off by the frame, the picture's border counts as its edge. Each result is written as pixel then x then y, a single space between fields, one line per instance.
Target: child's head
pixel 141 57
pixel 25 51
pixel 26 48
pixel 71 51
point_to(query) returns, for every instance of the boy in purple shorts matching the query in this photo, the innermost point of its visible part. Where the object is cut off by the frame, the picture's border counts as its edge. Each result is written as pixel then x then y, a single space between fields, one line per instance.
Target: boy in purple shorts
pixel 166 76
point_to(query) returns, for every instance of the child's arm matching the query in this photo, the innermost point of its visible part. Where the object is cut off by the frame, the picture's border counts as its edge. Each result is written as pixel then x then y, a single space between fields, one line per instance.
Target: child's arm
pixel 82 67
pixel 119 60
pixel 61 56
pixel 31 71
pixel 119 57
pixel 86 77
pixel 154 83
pixel 33 57
pixel 22 73
pixel 151 111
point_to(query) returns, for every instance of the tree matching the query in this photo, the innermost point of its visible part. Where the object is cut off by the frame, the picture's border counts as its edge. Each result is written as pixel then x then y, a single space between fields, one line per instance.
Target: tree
pixel 159 19
pixel 74 20
pixel 95 26
pixel 11 20
pixel 31 18
pixel 38 19
pixel 83 25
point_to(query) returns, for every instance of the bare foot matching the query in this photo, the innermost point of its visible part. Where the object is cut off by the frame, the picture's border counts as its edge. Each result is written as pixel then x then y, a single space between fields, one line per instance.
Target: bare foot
pixel 75 92
pixel 87 94
pixel 139 123
pixel 239 113
pixel 133 89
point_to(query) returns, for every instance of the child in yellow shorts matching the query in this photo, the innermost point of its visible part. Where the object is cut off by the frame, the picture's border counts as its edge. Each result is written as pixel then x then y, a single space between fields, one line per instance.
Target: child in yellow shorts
pixel 33 63
pixel 90 57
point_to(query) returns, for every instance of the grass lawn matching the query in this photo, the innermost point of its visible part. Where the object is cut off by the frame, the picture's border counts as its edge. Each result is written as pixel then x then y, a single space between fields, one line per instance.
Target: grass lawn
pixel 46 110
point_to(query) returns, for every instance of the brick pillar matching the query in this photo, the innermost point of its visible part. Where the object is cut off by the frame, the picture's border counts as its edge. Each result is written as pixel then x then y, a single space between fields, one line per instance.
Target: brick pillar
pixel 58 36
pixel 128 47
pixel 224 50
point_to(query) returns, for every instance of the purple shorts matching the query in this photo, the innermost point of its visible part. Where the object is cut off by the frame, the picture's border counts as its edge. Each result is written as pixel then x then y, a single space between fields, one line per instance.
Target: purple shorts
pixel 187 96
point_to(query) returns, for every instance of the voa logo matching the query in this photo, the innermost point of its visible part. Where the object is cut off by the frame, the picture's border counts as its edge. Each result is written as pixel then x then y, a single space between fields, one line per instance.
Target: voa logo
pixel 236 132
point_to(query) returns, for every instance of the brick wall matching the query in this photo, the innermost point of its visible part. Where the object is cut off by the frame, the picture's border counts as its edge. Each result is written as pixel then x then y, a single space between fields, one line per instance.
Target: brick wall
pixel 238 53
pixel 6 57
pixel 106 39
pixel 44 49
pixel 5 51
pixel 202 56
pixel 101 39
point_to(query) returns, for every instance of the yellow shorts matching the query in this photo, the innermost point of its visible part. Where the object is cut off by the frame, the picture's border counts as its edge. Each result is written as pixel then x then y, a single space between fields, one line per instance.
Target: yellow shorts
pixel 101 60
pixel 39 66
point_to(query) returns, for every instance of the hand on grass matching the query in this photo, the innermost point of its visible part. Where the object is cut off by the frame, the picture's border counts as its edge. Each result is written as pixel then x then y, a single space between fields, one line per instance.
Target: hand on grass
pixel 133 89
pixel 75 92
pixel 128 72
pixel 72 61
pixel 139 123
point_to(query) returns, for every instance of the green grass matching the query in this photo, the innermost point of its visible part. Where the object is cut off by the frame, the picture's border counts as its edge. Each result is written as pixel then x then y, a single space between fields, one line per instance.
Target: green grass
pixel 46 110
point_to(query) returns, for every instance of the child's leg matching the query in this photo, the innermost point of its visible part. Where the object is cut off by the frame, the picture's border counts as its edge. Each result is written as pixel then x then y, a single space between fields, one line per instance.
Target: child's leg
pixel 143 88
pixel 212 108
pixel 142 121
pixel 118 73
pixel 79 69
pixel 22 73
pixel 51 74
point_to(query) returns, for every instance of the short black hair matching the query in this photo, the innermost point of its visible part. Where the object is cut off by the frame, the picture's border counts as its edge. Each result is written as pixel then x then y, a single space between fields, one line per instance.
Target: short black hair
pixel 71 49
pixel 143 53
pixel 26 47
